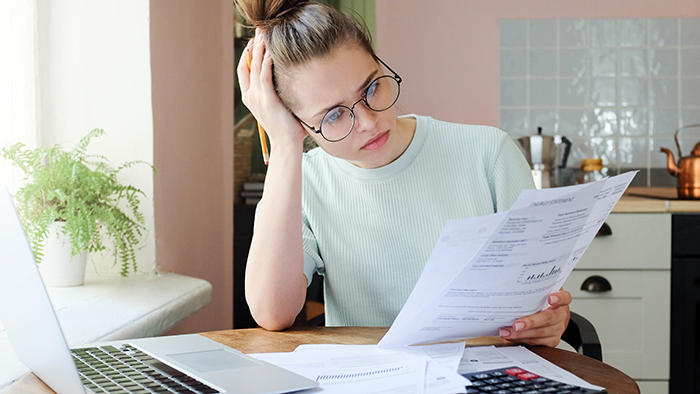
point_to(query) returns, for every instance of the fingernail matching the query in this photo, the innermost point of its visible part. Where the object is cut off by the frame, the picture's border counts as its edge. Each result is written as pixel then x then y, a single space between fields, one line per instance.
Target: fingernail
pixel 504 333
pixel 553 299
pixel 519 326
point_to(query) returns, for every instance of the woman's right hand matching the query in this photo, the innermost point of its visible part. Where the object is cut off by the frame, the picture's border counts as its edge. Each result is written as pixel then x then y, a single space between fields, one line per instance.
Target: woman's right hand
pixel 259 95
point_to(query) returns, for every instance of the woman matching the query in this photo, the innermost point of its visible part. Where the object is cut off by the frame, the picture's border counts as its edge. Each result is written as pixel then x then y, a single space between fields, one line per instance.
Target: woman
pixel 366 208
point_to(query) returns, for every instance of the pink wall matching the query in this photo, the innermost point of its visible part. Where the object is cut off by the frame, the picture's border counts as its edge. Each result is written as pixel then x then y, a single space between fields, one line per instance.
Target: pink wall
pixel 447 50
pixel 192 73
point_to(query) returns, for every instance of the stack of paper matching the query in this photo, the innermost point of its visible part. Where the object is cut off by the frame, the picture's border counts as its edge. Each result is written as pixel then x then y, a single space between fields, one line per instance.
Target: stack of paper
pixel 430 369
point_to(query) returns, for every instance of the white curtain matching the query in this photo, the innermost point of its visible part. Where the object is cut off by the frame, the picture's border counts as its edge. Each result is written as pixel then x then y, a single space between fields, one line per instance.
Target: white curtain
pixel 18 91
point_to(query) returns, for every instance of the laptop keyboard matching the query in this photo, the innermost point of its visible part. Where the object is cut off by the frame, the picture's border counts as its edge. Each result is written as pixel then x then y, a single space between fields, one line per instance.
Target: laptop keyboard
pixel 126 369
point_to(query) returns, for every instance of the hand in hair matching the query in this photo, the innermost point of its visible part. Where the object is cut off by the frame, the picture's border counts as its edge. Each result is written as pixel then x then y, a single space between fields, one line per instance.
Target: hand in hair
pixel 259 95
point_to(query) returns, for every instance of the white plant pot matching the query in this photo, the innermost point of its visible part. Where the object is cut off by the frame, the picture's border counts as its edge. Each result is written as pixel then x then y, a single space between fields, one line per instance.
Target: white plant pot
pixel 56 267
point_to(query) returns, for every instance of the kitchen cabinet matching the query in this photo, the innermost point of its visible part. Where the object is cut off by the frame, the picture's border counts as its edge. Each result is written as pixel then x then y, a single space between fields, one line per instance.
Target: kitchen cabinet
pixel 633 317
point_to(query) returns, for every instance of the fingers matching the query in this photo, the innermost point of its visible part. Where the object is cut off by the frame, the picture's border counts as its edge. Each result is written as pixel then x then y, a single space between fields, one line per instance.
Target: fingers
pixel 242 69
pixel 542 328
pixel 266 74
pixel 258 52
pixel 559 299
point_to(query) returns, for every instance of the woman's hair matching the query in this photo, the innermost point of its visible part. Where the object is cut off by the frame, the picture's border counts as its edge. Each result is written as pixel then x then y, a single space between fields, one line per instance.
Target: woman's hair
pixel 297 31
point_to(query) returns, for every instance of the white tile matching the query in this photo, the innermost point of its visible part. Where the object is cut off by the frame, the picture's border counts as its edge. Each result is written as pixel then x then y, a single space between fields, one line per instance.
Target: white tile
pixel 573 91
pixel 513 92
pixel 514 122
pixel 512 32
pixel 543 62
pixel 663 121
pixel 663 61
pixel 633 92
pixel 543 33
pixel 543 92
pixel 690 31
pixel 603 92
pixel 545 118
pixel 572 32
pixel 664 92
pixel 690 61
pixel 602 122
pixel 633 62
pixel 573 122
pixel 603 32
pixel 513 62
pixel 603 148
pixel 690 91
pixel 603 62
pixel 663 32
pixel 633 122
pixel 572 62
pixel 633 32
pixel 691 116
pixel 633 152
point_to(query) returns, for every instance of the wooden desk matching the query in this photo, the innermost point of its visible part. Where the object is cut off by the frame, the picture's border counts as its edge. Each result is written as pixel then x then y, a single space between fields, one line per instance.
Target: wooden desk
pixel 256 340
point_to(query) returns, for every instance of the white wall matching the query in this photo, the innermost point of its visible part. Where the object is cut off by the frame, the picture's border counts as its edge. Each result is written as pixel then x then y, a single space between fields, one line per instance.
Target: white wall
pixel 94 72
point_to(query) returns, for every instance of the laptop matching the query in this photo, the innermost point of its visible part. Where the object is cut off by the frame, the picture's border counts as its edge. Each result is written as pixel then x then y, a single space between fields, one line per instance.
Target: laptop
pixel 180 363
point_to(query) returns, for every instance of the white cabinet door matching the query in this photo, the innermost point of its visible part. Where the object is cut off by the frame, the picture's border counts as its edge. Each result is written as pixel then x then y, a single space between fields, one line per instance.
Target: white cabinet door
pixel 632 320
pixel 638 241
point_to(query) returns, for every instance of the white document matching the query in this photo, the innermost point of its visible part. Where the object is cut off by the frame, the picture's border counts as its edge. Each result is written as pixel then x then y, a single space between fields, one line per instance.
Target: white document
pixel 441 360
pixel 485 272
pixel 358 370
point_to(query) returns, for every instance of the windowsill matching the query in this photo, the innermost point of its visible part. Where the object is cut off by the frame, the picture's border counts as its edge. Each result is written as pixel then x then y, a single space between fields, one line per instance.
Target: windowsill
pixel 114 308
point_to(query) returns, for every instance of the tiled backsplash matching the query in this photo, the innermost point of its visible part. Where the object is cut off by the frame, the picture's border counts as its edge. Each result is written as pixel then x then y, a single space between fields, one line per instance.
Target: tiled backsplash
pixel 617 88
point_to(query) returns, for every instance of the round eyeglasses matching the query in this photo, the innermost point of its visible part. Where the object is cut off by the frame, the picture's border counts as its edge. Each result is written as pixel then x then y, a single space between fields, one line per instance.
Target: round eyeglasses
pixel 380 95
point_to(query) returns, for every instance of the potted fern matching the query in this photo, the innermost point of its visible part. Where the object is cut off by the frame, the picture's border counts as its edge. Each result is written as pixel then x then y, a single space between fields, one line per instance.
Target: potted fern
pixel 73 201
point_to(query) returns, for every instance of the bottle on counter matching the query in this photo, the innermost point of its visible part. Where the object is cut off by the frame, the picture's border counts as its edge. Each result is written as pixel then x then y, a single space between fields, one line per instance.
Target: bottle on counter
pixel 591 171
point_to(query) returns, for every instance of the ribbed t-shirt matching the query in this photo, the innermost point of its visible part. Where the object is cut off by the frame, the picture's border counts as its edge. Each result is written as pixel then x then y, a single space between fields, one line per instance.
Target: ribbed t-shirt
pixel 370 232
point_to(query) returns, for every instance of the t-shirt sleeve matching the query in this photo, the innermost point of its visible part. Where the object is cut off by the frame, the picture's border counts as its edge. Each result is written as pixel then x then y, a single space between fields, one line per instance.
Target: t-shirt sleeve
pixel 510 175
pixel 312 258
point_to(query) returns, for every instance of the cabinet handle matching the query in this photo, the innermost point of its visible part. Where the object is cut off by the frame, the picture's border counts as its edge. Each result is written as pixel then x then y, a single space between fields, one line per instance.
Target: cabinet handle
pixel 604 230
pixel 596 284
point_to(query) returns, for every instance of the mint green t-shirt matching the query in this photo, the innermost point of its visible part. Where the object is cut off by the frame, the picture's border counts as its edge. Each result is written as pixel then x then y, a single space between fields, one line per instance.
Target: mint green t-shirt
pixel 370 232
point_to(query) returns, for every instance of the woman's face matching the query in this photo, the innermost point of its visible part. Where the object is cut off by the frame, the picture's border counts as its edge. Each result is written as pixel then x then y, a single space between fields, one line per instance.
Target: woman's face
pixel 341 78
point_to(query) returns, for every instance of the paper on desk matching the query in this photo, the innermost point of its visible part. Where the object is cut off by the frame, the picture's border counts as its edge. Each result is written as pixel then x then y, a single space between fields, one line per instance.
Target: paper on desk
pixel 485 272
pixel 442 361
pixel 355 371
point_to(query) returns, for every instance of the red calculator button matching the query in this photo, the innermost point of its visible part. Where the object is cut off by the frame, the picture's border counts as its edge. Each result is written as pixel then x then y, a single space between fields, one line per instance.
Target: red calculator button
pixel 528 376
pixel 515 371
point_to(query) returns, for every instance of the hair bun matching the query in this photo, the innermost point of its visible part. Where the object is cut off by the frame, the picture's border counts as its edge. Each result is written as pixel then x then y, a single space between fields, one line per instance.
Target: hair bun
pixel 265 13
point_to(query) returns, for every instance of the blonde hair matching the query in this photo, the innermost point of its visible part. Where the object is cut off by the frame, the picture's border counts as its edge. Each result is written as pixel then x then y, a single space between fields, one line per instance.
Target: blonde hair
pixel 298 31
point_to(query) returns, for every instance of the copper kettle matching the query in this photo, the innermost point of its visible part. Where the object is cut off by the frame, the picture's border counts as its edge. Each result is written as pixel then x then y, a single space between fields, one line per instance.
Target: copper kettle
pixel 688 169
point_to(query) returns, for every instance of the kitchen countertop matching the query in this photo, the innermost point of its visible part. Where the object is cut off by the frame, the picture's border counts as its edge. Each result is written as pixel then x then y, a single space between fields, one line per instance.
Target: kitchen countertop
pixel 654 199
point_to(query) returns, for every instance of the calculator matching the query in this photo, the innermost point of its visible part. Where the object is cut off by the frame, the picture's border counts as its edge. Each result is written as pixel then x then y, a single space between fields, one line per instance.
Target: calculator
pixel 514 380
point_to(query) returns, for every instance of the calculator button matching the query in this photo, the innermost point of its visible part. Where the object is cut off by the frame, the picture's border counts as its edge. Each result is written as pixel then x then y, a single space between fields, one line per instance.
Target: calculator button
pixel 515 371
pixel 528 376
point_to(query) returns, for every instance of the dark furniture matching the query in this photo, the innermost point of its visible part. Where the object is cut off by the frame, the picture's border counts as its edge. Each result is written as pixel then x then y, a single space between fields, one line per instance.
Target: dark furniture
pixel 685 304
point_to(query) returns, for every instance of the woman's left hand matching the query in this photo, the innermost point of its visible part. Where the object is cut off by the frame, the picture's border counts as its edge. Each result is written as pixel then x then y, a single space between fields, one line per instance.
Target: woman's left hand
pixel 545 327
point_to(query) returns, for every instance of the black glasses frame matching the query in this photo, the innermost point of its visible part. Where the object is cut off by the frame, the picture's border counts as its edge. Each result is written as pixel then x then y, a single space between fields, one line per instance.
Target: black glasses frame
pixel 396 77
